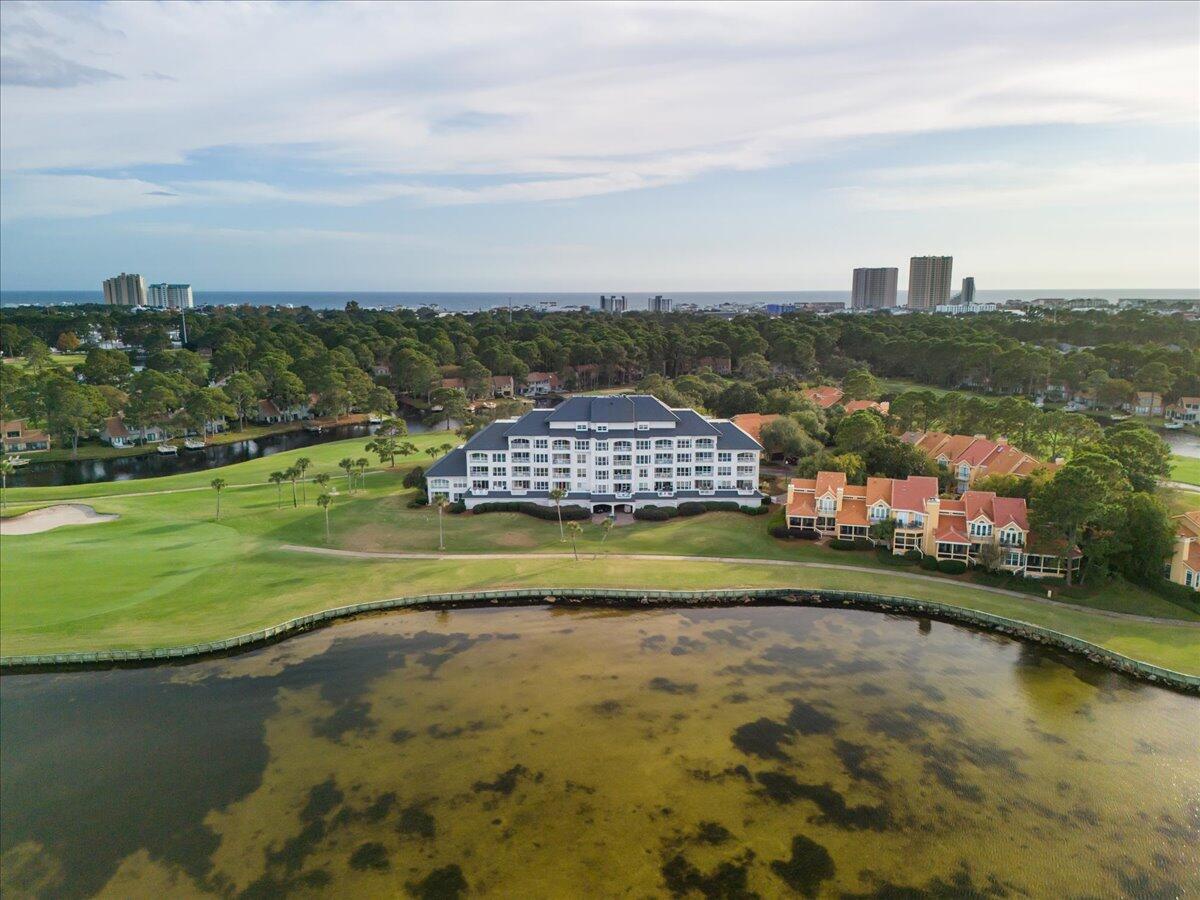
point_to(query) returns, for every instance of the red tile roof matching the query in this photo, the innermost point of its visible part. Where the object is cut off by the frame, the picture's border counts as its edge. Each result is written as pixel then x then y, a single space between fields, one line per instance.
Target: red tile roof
pixel 912 492
pixel 752 423
pixel 824 396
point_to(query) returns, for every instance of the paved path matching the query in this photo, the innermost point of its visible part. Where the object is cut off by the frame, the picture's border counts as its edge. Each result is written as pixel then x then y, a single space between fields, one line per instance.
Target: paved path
pixel 738 560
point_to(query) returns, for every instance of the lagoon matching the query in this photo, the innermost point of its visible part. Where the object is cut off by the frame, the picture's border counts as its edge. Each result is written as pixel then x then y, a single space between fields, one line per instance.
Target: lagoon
pixel 547 752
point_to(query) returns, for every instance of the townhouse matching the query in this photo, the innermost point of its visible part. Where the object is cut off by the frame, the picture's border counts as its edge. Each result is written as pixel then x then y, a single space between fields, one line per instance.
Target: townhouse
pixel 607 453
pixel 270 414
pixel 971 457
pixel 1184 567
pixel 1145 403
pixel 1186 410
pixel 18 436
pixel 752 423
pixel 946 529
pixel 825 396
pixel 539 384
pixel 881 407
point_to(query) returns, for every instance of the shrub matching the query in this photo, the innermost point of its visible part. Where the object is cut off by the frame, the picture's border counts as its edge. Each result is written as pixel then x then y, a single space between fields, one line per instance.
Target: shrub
pixel 861 543
pixel 549 513
pixel 928 562
pixel 913 555
pixel 722 505
pixel 888 558
pixel 655 513
pixel 415 477
pixel 691 508
pixel 780 531
pixel 418 501
pixel 808 534
pixel 456 507
pixel 755 510
pixel 952 566
pixel 839 544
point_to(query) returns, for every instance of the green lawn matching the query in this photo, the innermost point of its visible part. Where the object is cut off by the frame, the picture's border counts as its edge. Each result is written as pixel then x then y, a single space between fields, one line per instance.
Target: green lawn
pixel 66 360
pixel 167 573
pixel 1185 469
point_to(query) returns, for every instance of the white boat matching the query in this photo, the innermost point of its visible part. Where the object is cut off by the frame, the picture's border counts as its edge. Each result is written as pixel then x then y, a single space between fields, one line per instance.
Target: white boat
pixel 193 444
pixel 1172 426
pixel 167 449
pixel 17 461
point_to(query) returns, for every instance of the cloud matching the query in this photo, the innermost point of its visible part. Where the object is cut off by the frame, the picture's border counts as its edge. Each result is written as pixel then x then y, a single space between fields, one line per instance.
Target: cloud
pixel 455 104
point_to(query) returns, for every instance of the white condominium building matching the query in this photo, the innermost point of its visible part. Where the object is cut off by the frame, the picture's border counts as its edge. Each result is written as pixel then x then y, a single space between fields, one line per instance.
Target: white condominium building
pixel 125 290
pixel 606 453
pixel 171 296
pixel 929 281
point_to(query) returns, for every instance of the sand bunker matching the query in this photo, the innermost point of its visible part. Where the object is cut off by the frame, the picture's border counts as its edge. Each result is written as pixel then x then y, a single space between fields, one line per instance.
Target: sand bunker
pixel 53 517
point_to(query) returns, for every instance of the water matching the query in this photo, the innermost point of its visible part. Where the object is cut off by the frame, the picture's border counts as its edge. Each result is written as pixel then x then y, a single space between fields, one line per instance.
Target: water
pixel 152 465
pixel 465 302
pixel 548 752
pixel 1182 443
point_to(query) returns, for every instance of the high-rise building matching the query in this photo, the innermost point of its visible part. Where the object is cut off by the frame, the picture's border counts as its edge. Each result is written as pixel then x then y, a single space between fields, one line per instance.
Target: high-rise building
pixel 968 289
pixel 874 288
pixel 929 281
pixel 171 296
pixel 659 304
pixel 613 304
pixel 125 290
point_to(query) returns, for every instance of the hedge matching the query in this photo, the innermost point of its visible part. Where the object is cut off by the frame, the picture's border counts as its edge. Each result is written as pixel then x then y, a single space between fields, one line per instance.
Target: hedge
pixel 929 562
pixel 888 558
pixel 780 531
pixel 808 534
pixel 655 513
pixel 952 566
pixel 913 555
pixel 691 508
pixel 569 513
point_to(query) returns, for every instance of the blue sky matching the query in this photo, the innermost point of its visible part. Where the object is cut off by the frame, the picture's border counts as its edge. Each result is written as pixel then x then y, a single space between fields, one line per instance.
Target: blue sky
pixel 310 146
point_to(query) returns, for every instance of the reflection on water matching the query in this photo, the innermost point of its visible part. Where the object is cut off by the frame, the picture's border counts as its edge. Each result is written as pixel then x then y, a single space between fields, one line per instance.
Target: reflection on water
pixel 1183 443
pixel 555 753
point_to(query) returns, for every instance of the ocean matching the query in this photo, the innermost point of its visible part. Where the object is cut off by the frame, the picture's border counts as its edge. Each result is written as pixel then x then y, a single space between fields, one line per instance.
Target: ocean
pixel 472 301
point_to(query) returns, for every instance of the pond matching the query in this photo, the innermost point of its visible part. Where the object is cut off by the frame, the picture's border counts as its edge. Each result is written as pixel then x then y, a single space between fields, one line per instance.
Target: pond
pixel 547 752
pixel 152 465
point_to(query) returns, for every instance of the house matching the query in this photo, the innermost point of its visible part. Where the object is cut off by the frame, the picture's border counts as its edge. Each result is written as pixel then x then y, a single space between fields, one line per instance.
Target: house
pixel 610 453
pixel 18 436
pixel 270 414
pixel 116 433
pixel 503 386
pixel 858 405
pixel 825 396
pixel 538 384
pixel 947 529
pixel 453 384
pixel 1185 558
pixel 970 457
pixel 752 423
pixel 381 369
pixel 1145 403
pixel 721 365
pixel 1185 409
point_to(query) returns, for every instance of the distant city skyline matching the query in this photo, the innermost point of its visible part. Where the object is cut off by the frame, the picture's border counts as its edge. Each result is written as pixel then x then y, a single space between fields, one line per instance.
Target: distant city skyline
pixel 454 147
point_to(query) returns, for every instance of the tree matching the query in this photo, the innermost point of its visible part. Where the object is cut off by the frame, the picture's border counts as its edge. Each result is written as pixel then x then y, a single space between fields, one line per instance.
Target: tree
pixel 557 494
pixel 1115 392
pixel 361 465
pixel 606 528
pixel 380 400
pixel 322 479
pixel 244 391
pixel 784 437
pixel 406 448
pixel 67 342
pixel 861 385
pixel 1155 376
pixel 1069 503
pixel 738 398
pixel 6 469
pixel 325 501
pixel 477 378
pixel 109 367
pixel 440 501
pixel 860 431
pixel 72 409
pixel 881 532
pixel 574 529
pixel 277 479
pixel 293 475
pixel 754 367
pixel 303 464
pixel 892 458
pixel 386 449
pixel 37 356
pixel 205 405
pixel 346 464
pixel 1148 538
pixel 447 405
pixel 1145 457
pixel 218 485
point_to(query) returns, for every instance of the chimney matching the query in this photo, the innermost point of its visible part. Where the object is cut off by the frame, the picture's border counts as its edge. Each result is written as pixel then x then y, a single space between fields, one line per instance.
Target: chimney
pixel 791 492
pixel 979 437
pixel 840 491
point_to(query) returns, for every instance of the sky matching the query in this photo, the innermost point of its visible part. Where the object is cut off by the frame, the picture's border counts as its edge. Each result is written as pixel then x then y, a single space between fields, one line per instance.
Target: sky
pixel 597 146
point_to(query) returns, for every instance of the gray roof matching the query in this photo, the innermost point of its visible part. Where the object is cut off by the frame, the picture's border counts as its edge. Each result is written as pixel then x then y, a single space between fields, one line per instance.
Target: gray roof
pixel 491 437
pixel 452 465
pixel 616 408
pixel 733 438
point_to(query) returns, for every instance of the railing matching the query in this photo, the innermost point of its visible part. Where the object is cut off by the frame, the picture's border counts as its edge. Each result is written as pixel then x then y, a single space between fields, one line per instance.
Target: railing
pixel 926 608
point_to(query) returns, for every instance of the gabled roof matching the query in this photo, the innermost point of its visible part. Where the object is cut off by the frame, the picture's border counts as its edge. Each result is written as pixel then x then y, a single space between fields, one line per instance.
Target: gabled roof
pixel 853 512
pixel 1010 511
pixel 752 423
pixel 733 438
pixel 824 396
pixel 829 482
pixel 858 405
pixel 1188 524
pixel 618 408
pixel 951 531
pixel 268 408
pixel 114 427
pixel 452 465
pixel 879 489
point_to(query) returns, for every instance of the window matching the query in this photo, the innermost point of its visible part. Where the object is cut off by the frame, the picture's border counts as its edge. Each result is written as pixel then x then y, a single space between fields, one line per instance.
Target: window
pixel 541 457
pixel 643 459
pixel 878 512
pixel 541 485
pixel 643 426
pixel 562 444
pixel 724 456
pixel 1012 558
pixel 581 426
pixel 643 445
pixel 541 442
pixel 581 445
pixel 683 444
pixel 1187 577
pixel 600 427
pixel 981 529
pixel 480 485
pixel 499 457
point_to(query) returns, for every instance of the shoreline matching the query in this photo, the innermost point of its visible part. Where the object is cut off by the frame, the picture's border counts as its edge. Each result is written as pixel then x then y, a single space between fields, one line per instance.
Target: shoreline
pixel 634 599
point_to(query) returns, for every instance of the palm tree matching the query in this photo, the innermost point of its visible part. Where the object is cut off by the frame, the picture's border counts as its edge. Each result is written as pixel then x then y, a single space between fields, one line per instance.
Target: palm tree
pixel 277 479
pixel 606 528
pixel 361 464
pixel 347 464
pixel 293 475
pixel 433 452
pixel 6 469
pixel 303 464
pixel 406 448
pixel 325 501
pixel 557 495
pixel 322 479
pixel 574 529
pixel 440 501
pixel 218 485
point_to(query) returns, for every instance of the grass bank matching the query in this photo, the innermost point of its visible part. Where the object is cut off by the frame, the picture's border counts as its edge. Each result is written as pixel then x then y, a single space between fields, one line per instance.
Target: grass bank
pixel 1185 469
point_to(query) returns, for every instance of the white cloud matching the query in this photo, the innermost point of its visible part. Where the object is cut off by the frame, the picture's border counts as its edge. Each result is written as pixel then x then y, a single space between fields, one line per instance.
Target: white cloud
pixel 547 102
